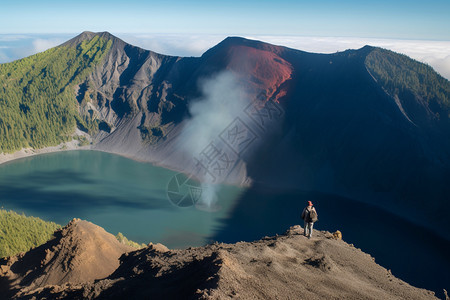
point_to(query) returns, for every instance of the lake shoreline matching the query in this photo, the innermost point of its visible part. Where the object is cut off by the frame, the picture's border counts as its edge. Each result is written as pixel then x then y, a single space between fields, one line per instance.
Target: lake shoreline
pixel 67 146
pixel 74 144
pixel 71 146
pixel 28 152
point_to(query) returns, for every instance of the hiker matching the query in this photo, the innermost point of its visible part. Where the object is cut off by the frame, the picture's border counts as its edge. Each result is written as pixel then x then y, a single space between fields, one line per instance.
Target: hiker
pixel 309 216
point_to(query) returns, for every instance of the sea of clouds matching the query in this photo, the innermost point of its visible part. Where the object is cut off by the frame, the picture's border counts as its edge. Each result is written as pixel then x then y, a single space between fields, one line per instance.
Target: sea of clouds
pixel 434 53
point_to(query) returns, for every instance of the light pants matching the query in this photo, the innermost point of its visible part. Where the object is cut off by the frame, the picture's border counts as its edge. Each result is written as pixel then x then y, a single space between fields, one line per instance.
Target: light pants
pixel 308 229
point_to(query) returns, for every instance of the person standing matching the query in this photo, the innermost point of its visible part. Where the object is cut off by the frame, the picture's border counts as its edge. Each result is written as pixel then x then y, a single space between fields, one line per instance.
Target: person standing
pixel 309 216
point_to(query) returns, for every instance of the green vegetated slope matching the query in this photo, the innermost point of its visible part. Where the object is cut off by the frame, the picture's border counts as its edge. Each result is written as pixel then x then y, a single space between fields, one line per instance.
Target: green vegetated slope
pixel 38 107
pixel 398 73
pixel 121 238
pixel 19 233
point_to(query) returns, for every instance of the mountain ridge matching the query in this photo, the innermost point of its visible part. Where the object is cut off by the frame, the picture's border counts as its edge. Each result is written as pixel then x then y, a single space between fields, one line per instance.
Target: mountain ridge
pixel 340 130
pixel 287 266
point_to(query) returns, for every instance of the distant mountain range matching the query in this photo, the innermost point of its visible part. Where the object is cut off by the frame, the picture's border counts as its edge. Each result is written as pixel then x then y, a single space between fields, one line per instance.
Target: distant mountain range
pixel 369 124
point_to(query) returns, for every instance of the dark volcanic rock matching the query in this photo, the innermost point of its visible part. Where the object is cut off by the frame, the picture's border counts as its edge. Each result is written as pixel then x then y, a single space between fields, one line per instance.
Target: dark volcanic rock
pixel 367 124
pixel 340 128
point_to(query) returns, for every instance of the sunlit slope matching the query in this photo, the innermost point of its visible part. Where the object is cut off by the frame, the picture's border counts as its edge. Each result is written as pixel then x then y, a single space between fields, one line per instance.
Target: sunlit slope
pixel 368 124
pixel 19 233
pixel 37 100
pixel 412 83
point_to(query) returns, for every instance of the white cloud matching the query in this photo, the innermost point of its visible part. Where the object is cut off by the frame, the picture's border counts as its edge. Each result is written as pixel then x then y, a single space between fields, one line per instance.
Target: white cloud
pixel 435 53
pixel 3 57
pixel 441 65
pixel 41 45
pixel 12 37
pixel 176 45
pixel 14 47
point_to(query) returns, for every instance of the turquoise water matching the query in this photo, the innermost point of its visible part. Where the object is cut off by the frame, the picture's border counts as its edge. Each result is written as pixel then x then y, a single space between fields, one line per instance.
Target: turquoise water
pixel 114 192
pixel 127 196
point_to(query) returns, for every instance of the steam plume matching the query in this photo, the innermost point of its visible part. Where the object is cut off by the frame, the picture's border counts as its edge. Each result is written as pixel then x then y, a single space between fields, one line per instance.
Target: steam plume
pixel 223 98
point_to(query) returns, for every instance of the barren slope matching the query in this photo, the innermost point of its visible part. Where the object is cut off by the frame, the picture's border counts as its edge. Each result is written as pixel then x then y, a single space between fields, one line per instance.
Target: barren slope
pixel 289 266
pixel 80 252
pixel 366 124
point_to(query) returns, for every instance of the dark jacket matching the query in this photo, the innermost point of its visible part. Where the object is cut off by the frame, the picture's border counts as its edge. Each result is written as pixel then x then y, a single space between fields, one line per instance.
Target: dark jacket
pixel 305 213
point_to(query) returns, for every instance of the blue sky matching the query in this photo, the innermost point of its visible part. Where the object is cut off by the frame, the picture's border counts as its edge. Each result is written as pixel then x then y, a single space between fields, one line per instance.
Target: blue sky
pixel 419 29
pixel 382 19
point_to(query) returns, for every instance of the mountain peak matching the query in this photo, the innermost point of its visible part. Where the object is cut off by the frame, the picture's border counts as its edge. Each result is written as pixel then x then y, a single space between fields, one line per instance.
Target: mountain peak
pixel 88 35
pixel 235 41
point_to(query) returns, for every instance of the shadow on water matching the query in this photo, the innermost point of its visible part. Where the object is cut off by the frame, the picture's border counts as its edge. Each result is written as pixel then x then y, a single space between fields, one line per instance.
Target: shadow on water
pixel 123 195
pixel 413 254
pixel 54 195
pixel 42 178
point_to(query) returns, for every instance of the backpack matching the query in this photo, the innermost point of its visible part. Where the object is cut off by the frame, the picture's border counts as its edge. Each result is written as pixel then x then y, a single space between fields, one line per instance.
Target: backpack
pixel 312 216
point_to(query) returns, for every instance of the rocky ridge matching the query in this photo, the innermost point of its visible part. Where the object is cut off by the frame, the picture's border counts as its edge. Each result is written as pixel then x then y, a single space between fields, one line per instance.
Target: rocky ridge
pixel 80 252
pixel 317 122
pixel 82 262
pixel 365 124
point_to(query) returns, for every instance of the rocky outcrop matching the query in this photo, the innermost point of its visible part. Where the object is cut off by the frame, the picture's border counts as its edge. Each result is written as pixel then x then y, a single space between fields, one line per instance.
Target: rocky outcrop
pixel 80 252
pixel 288 266
pixel 140 98
pixel 308 121
pixel 290 119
